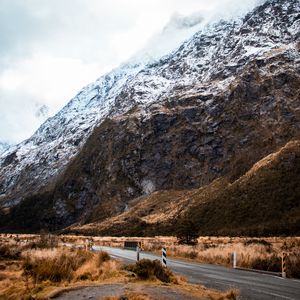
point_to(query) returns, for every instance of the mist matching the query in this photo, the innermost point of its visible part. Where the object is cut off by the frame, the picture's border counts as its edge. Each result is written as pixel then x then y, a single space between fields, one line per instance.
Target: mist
pixel 51 49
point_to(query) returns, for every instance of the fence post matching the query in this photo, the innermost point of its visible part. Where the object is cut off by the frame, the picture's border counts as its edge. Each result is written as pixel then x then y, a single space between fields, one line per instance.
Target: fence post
pixel 234 259
pixel 164 257
pixel 283 268
pixel 137 253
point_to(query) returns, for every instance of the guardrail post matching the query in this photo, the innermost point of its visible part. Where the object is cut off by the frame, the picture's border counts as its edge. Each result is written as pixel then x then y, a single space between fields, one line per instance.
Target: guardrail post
pixel 283 268
pixel 137 253
pixel 164 257
pixel 234 259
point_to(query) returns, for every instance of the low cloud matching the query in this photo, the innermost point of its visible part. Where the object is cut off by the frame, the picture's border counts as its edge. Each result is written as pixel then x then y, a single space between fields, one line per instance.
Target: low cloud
pixel 50 49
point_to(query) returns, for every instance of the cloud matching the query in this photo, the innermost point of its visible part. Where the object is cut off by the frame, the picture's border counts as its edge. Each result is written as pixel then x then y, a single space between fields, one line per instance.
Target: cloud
pixel 50 49
pixel 178 29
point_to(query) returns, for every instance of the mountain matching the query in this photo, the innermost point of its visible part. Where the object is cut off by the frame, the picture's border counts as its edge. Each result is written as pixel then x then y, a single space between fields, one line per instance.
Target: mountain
pixel 222 101
pixel 263 201
pixel 3 147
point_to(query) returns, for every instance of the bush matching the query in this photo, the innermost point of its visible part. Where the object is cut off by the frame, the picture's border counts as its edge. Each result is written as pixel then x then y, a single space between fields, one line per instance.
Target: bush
pixel 187 232
pixel 293 265
pixel 103 257
pixel 258 241
pixel 85 276
pixel 272 263
pixel 148 269
pixel 9 252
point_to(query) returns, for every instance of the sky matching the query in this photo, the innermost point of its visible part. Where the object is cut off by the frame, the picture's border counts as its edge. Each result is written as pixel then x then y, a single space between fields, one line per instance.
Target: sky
pixel 50 49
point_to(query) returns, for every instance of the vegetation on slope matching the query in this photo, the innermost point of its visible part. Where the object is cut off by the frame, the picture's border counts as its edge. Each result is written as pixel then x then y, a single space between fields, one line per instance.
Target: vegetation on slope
pixel 264 201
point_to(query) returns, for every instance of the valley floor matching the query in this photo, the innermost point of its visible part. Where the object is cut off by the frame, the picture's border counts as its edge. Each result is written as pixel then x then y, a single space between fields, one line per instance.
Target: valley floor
pixel 42 267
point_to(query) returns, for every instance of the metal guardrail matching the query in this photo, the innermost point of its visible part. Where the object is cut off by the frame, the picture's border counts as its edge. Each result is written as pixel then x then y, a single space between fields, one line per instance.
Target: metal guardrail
pixel 279 274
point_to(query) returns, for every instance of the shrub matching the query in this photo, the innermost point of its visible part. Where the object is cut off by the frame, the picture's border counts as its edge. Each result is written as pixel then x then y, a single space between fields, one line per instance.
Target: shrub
pixel 232 294
pixel 262 242
pixel 293 264
pixel 102 257
pixel 85 276
pixel 133 296
pixel 187 232
pixel 191 254
pixel 148 269
pixel 272 263
pixel 9 252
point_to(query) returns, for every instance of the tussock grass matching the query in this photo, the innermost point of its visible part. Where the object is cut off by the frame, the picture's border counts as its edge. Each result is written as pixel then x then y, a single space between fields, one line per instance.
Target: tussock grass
pixel 55 269
pixel 8 252
pixel 37 273
pixel 255 253
pixel 148 269
pixel 133 296
pixel 34 272
pixel 102 257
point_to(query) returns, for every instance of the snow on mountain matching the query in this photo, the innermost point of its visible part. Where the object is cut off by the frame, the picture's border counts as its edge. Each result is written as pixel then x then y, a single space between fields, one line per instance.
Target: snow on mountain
pixel 176 31
pixel 215 53
pixel 60 137
pixel 3 147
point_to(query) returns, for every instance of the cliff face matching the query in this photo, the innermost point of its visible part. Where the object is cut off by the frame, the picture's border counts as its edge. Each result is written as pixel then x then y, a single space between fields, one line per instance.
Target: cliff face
pixel 225 99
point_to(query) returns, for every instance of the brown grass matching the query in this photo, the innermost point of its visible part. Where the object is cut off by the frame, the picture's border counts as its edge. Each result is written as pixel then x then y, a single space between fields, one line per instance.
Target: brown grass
pixel 56 268
pixel 34 273
pixel 133 296
pixel 37 273
pixel 197 291
pixel 256 253
pixel 153 270
pixel 260 253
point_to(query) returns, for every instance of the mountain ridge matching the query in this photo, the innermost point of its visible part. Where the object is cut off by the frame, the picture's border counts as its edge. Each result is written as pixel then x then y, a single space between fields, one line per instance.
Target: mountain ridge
pixel 154 213
pixel 219 103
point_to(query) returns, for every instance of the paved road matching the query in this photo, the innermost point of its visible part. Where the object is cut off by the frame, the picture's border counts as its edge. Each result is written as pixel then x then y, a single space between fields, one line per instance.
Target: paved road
pixel 251 285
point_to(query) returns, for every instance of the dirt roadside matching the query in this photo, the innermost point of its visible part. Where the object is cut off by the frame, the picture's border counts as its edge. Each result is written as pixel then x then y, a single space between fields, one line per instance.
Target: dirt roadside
pixel 101 292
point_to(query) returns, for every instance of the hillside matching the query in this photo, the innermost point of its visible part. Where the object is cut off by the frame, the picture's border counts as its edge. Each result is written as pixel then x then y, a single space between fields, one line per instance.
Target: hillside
pixel 264 201
pixel 198 117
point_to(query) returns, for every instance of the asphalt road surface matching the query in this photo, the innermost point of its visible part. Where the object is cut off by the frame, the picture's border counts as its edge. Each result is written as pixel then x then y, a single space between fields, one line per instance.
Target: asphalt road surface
pixel 251 285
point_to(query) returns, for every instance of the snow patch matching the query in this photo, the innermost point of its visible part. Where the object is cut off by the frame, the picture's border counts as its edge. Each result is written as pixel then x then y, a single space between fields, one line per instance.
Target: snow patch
pixel 148 186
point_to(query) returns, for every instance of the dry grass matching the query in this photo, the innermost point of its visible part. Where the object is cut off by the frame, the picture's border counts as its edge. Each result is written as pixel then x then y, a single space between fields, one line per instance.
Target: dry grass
pixel 91 268
pixel 133 296
pixel 55 268
pixel 232 294
pixel 93 271
pixel 33 273
pixel 153 270
pixel 37 273
pixel 257 253
pixel 142 292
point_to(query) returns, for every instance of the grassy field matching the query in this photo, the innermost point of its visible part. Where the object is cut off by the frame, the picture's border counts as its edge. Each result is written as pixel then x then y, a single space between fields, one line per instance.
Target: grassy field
pixel 254 253
pixel 37 267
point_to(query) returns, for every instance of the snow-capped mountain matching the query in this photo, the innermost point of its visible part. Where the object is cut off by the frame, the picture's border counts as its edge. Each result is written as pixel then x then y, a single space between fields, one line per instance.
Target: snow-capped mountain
pixel 200 80
pixel 53 145
pixel 3 147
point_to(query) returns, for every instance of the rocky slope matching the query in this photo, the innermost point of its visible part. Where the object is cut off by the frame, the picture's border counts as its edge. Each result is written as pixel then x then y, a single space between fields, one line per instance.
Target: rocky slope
pixel 265 200
pixel 225 99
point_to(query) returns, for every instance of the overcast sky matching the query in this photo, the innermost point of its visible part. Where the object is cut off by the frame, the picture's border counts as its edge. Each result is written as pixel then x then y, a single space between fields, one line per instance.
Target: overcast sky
pixel 50 49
